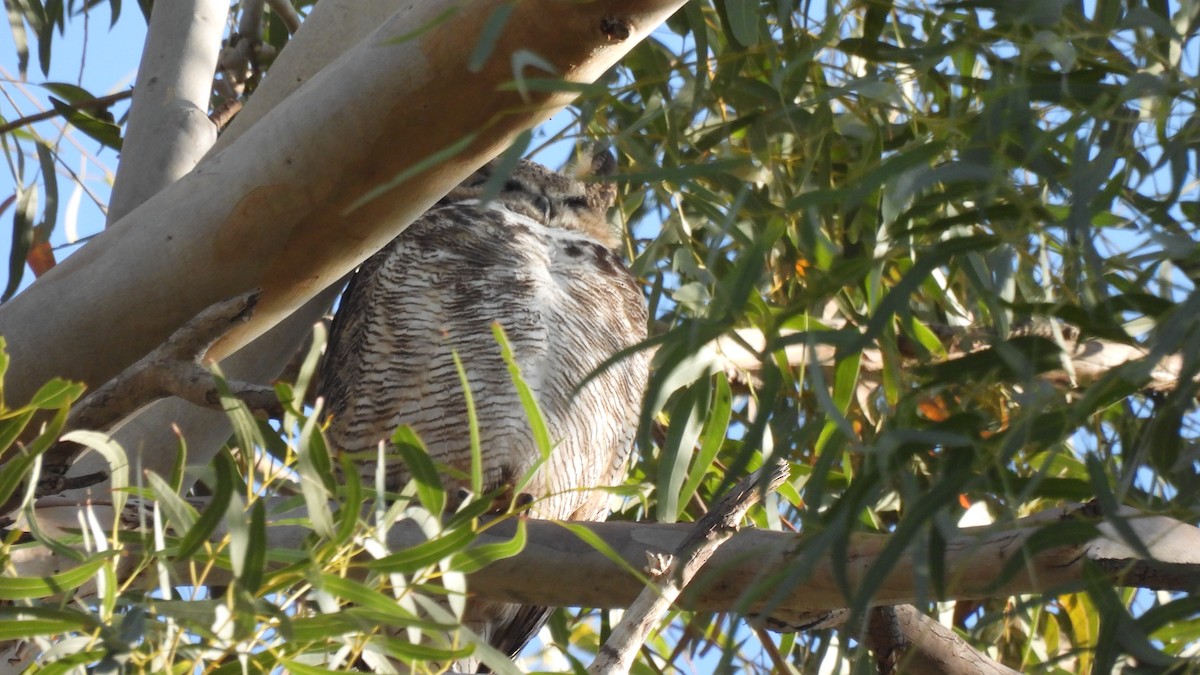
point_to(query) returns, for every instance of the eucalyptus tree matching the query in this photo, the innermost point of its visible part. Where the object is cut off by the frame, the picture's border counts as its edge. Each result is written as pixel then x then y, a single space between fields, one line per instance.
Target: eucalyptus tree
pixel 937 259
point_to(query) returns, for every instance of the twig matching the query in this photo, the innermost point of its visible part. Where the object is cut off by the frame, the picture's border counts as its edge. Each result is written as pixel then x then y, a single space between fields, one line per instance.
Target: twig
pixel 671 572
pixel 98 102
pixel 174 368
pixel 906 640
pixel 224 113
pixel 284 10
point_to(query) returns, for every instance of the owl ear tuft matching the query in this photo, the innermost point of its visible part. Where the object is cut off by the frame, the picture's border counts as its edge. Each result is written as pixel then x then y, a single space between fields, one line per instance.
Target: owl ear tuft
pixel 594 162
pixel 604 162
pixel 597 162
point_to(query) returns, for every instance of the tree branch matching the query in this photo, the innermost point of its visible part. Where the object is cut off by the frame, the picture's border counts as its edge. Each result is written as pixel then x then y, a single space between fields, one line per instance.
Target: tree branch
pixel 175 368
pixel 1090 359
pixel 169 130
pixel 906 640
pixel 755 567
pixel 297 202
pixel 706 536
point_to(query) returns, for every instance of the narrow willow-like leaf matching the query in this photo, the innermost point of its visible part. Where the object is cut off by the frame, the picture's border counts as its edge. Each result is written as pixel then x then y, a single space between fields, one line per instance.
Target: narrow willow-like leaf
pixel 354 618
pixel 364 596
pixel 245 426
pixel 432 160
pixel 591 539
pixel 425 554
pixel 225 473
pixel 742 18
pixel 421 468
pixel 104 131
pixel 478 557
pixel 22 238
pixel 242 543
pixel 312 464
pixel 472 427
pixel 412 652
pixel 715 428
pixel 308 367
pixel 348 516
pixel 114 455
pixel 181 515
pixel 533 414
pixel 485 43
pixel 50 185
pixel 686 424
pixel 28 588
pixel 499 663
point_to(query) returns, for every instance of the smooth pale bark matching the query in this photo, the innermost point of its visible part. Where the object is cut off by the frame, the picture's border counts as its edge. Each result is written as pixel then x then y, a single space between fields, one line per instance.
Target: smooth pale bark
pixel 169 130
pixel 151 435
pixel 272 211
pixel 754 567
pixel 150 438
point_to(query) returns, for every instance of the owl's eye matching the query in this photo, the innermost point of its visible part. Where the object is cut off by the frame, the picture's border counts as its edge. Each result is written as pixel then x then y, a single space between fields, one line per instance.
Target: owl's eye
pixel 576 202
pixel 545 206
pixel 513 186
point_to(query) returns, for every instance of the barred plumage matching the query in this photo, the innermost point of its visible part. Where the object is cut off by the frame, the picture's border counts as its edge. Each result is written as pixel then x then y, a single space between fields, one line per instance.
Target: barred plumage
pixel 537 259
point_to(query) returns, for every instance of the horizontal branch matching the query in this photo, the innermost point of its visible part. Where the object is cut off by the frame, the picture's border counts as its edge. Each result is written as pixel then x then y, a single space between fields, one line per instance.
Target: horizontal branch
pixel 757 567
pixel 1089 359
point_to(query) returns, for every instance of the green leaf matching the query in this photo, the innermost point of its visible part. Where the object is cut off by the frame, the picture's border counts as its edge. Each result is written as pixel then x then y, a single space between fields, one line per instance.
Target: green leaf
pixel 593 540
pixel 114 455
pixel 71 93
pixel 421 468
pixel 104 131
pixel 28 588
pixel 429 162
pixel 349 513
pixel 180 514
pixel 715 429
pixel 50 185
pixel 533 413
pixel 20 38
pixel 313 466
pixel 22 239
pixel 238 527
pixel 366 597
pixel 478 557
pixel 742 19
pixel 499 663
pixel 472 428
pixel 56 394
pixel 14 620
pixel 27 628
pixel 225 472
pixel 424 555
pixel 687 420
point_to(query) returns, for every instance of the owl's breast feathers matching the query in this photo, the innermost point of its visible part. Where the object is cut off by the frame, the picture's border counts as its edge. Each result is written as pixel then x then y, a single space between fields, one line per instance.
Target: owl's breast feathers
pixel 566 303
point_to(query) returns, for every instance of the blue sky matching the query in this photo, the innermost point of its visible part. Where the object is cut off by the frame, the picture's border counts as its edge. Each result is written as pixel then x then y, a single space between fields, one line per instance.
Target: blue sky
pixel 89 55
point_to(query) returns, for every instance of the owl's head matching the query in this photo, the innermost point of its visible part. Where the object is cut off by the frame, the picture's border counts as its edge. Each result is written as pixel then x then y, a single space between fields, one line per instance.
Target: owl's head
pixel 551 198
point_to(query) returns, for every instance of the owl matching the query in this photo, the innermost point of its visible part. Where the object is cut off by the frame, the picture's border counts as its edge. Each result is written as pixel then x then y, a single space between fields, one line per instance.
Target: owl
pixel 539 258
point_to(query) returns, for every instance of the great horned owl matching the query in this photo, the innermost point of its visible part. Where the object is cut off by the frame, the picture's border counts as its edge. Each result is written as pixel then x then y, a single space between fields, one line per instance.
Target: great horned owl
pixel 538 258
